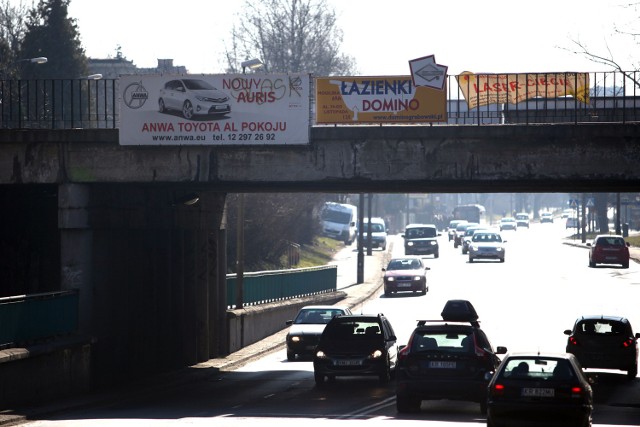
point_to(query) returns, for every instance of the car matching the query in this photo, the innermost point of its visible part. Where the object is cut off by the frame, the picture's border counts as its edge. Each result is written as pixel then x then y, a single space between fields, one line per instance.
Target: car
pixel 451 230
pixel 405 274
pixel 546 217
pixel 522 219
pixel 609 249
pixel 421 239
pixel 356 345
pixel 448 359
pixel 487 245
pixel 468 234
pixel 460 230
pixel 542 389
pixel 306 328
pixel 193 97
pixel 378 233
pixel 568 213
pixel 508 223
pixel 572 222
pixel 604 342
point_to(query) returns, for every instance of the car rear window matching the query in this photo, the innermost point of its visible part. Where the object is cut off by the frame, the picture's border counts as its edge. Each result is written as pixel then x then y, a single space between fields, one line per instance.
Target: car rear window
pixel 601 327
pixel 538 369
pixel 357 329
pixel 610 241
pixel 443 341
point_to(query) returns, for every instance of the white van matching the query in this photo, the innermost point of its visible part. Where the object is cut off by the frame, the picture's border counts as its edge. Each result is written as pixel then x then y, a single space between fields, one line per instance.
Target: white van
pixel 378 233
pixel 339 221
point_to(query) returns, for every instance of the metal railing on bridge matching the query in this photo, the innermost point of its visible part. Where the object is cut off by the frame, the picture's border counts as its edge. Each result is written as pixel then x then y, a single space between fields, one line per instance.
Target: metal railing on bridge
pixel 76 103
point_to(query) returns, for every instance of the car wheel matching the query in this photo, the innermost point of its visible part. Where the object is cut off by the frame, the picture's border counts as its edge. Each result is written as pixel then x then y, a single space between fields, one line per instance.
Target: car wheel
pixel 464 251
pixel 436 255
pixel 319 378
pixel 385 376
pixel 161 106
pixel 187 109
pixel 483 407
pixel 424 291
pixel 470 259
pixel 625 265
pixel 592 264
pixel 501 259
pixel 291 356
pixel 633 372
pixel 407 404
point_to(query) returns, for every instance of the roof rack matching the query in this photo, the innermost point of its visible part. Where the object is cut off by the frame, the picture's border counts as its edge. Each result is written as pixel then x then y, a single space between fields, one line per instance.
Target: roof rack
pixel 474 323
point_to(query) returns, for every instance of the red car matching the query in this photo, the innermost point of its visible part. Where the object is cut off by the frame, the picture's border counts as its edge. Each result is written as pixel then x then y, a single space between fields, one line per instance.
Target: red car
pixel 608 249
pixel 405 274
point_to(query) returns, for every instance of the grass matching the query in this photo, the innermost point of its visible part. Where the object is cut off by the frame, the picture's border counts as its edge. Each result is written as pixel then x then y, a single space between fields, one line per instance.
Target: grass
pixel 319 253
pixel 633 239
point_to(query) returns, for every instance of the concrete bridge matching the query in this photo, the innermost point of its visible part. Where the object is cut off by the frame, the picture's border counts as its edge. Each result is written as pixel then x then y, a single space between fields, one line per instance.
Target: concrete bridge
pixel 82 212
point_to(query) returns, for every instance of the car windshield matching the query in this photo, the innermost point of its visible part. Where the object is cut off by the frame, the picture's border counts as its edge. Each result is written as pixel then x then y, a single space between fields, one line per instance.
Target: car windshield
pixel 352 329
pixel 522 217
pixel 416 233
pixel 404 264
pixel 486 237
pixel 315 316
pixel 197 84
pixel 443 341
pixel 538 368
pixel 507 220
pixel 375 228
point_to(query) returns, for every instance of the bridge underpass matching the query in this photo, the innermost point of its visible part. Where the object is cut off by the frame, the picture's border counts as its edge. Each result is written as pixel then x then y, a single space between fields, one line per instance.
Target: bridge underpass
pixel 81 211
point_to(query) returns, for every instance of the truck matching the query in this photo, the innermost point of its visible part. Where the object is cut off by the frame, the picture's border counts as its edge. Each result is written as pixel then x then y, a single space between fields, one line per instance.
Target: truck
pixel 339 221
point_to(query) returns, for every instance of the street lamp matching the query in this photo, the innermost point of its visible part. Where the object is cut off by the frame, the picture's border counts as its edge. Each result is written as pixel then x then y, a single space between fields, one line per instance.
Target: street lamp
pixel 37 60
pixel 252 64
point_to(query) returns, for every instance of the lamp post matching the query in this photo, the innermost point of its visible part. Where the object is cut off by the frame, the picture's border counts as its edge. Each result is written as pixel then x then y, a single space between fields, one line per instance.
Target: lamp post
pixel 252 64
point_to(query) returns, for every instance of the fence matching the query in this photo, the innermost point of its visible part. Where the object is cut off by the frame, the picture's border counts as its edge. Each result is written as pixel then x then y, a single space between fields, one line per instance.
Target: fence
pixel 269 286
pixel 611 96
pixel 28 318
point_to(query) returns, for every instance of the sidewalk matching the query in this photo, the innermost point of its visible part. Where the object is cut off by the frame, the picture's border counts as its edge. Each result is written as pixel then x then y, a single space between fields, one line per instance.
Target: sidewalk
pixel 634 251
pixel 357 294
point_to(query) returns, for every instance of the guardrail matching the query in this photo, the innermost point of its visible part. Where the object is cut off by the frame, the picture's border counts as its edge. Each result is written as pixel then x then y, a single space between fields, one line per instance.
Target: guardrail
pixel 613 96
pixel 28 318
pixel 269 286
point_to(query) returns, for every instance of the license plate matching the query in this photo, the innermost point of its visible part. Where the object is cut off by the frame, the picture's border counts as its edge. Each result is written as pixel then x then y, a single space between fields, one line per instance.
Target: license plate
pixel 404 285
pixel 348 362
pixel 442 365
pixel 538 392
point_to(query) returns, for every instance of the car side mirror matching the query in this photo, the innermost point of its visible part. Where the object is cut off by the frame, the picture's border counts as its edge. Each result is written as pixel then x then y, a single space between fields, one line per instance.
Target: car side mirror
pixel 568 332
pixel 402 347
pixel 501 350
pixel 289 322
pixel 384 269
pixel 628 244
pixel 637 335
pixel 427 268
pixel 402 235
pixel 588 244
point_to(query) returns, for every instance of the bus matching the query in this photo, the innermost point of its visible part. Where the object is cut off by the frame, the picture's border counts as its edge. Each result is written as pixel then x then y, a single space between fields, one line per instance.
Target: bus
pixel 471 213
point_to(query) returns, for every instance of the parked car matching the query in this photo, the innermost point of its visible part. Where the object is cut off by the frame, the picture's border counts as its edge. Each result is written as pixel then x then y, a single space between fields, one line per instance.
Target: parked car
pixel 487 245
pixel 450 359
pixel 609 249
pixel 604 342
pixel 405 274
pixel 572 222
pixel 193 97
pixel 355 345
pixel 546 217
pixel 305 330
pixel 451 230
pixel 460 230
pixel 378 233
pixel 522 219
pixel 508 223
pixel 539 389
pixel 421 239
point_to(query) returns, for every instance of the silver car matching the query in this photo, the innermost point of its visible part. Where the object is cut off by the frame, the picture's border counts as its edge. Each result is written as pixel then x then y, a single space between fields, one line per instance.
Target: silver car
pixel 193 97
pixel 487 245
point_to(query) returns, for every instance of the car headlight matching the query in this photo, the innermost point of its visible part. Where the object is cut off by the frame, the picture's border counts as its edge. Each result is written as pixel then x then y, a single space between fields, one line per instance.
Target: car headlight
pixel 320 354
pixel 417 278
pixel 295 338
pixel 390 279
pixel 433 243
pixel 410 244
pixel 376 354
pixel 473 247
pixel 499 249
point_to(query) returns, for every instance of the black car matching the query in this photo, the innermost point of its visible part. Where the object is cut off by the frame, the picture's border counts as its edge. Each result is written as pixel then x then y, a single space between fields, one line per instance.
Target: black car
pixel 446 359
pixel 604 342
pixel 354 345
pixel 539 389
pixel 421 239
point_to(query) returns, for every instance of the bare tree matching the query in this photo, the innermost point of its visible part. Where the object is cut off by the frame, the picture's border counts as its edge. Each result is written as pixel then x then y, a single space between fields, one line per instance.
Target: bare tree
pixel 289 36
pixel 12 29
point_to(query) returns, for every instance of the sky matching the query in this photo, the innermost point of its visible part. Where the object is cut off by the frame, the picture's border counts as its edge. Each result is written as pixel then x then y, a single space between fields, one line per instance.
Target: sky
pixel 493 36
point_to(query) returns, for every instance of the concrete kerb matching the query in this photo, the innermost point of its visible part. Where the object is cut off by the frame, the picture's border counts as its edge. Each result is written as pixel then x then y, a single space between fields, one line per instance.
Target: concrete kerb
pixel 634 252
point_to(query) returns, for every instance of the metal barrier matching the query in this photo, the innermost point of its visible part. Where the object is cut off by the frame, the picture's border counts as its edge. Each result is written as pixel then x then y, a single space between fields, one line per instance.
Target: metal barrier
pixel 613 96
pixel 270 286
pixel 28 318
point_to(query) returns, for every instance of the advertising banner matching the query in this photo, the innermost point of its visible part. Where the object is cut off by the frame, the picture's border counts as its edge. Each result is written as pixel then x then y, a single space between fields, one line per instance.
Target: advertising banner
pixel 485 89
pixel 351 100
pixel 231 109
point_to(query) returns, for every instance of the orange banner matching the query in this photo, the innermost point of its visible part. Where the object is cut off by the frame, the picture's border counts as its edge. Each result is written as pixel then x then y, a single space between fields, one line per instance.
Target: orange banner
pixel 377 100
pixel 485 89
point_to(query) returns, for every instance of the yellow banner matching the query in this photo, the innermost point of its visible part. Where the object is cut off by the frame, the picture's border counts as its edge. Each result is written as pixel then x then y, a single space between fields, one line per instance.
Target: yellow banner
pixel 485 89
pixel 377 100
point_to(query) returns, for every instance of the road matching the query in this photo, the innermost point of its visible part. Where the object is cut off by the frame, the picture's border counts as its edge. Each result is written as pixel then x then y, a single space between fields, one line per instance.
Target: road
pixel 524 304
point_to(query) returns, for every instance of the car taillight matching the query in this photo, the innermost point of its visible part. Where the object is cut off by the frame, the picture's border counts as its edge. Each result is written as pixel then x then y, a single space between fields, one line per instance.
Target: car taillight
pixel 629 342
pixel 573 341
pixel 497 390
pixel 576 391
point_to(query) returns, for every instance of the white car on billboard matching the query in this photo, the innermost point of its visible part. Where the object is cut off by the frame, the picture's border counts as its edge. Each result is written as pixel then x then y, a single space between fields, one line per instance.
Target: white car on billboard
pixel 193 97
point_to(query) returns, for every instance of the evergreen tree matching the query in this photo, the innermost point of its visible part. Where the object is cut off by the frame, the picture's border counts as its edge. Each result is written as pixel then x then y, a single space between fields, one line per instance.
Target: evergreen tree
pixel 53 34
